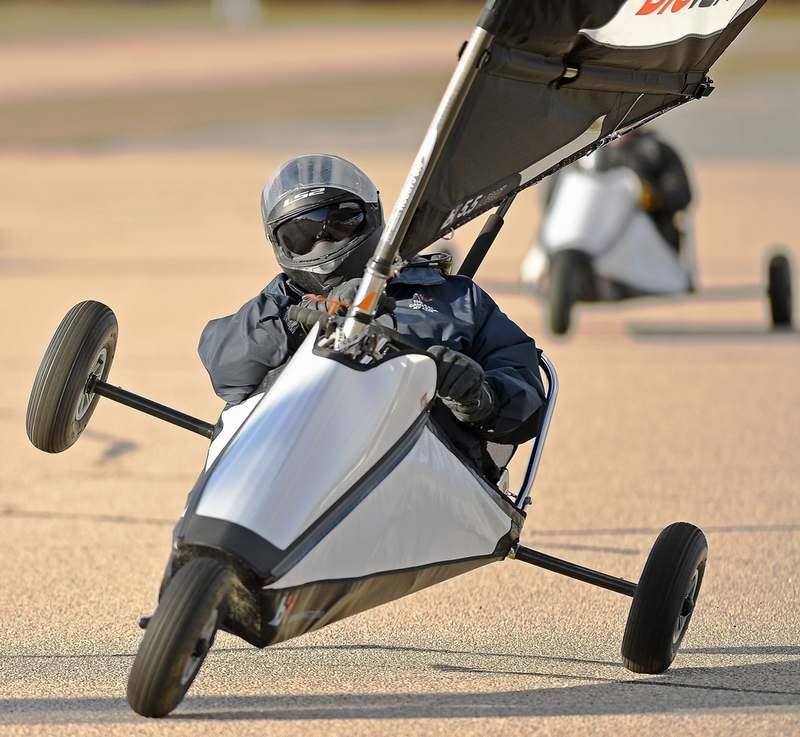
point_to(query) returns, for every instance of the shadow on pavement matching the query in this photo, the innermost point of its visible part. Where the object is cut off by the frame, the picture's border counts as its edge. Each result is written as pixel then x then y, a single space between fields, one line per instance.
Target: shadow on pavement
pixel 712 331
pixel 114 446
pixel 716 529
pixel 746 650
pixel 592 548
pixel 683 689
pixel 119 519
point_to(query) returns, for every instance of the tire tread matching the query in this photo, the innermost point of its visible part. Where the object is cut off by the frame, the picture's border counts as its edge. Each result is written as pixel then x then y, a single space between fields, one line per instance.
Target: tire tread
pixel 647 644
pixel 154 687
pixel 49 420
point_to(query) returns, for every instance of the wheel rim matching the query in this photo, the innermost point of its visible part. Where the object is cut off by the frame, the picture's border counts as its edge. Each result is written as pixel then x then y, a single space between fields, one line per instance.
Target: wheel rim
pixel 85 400
pixel 687 607
pixel 200 650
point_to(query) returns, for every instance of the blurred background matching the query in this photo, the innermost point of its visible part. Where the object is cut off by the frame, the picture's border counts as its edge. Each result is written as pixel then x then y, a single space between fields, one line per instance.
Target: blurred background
pixel 135 138
pixel 262 76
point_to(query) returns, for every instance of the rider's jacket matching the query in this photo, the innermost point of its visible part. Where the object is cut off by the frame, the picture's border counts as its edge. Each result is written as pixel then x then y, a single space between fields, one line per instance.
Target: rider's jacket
pixel 240 350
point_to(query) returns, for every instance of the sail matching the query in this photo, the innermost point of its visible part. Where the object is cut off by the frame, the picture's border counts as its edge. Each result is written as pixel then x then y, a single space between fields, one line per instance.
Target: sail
pixel 559 79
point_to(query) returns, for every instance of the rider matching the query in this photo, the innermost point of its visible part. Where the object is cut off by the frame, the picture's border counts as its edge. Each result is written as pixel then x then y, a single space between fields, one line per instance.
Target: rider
pixel 666 191
pixel 323 218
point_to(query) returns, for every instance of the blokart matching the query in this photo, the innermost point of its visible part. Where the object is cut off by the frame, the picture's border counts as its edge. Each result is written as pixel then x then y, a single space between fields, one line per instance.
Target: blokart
pixel 596 243
pixel 277 540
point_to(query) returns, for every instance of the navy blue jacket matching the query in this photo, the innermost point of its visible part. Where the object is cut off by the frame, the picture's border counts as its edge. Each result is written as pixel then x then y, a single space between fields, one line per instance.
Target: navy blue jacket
pixel 432 308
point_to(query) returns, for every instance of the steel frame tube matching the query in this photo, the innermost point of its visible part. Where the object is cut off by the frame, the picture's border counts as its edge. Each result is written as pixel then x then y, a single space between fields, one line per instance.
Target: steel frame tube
pixel 378 270
pixel 572 570
pixel 149 407
pixel 538 443
pixel 482 244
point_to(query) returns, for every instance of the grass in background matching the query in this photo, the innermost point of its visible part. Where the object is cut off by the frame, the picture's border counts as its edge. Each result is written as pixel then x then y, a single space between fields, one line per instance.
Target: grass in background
pixel 22 20
pixel 141 116
pixel 98 120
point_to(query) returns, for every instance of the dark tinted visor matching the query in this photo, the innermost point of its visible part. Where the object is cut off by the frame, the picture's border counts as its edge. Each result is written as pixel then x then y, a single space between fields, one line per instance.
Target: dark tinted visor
pixel 336 222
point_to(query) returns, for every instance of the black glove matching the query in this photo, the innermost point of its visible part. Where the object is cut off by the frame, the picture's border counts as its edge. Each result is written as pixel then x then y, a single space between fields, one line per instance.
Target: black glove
pixel 462 385
pixel 346 292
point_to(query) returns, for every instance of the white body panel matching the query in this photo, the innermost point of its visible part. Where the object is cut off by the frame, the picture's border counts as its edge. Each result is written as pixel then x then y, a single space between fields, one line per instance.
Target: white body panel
pixel 598 212
pixel 232 419
pixel 643 259
pixel 590 210
pixel 318 430
pixel 429 509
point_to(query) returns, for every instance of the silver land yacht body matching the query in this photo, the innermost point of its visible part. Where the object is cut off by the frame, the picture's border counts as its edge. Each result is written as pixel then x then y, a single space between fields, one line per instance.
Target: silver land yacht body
pixel 338 519
pixel 333 491
pixel 597 243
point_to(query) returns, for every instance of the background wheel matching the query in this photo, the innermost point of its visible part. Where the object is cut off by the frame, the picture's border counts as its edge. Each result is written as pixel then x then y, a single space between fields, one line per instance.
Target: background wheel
pixel 178 637
pixel 779 290
pixel 665 599
pixel 59 407
pixel 564 270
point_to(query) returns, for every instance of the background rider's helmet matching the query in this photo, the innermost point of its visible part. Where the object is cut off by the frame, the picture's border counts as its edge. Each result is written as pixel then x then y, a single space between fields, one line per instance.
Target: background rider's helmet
pixel 323 217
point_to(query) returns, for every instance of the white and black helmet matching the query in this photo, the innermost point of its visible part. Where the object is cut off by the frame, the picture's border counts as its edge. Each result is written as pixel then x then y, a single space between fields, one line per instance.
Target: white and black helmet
pixel 323 217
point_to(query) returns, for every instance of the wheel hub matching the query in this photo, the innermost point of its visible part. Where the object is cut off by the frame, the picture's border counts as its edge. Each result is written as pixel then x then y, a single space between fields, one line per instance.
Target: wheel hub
pixel 201 648
pixel 96 372
pixel 686 608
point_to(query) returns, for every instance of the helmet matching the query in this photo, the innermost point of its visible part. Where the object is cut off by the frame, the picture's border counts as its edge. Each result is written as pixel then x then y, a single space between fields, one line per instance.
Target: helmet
pixel 323 217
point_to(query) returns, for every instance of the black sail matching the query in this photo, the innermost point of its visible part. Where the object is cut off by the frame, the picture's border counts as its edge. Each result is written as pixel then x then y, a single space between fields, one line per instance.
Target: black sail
pixel 560 79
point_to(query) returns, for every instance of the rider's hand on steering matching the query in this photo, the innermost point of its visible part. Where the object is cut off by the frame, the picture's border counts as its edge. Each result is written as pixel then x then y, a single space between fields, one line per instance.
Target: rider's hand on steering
pixel 346 292
pixel 462 385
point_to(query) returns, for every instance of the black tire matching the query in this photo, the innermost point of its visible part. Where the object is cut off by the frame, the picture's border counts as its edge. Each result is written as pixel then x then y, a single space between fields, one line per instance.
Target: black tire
pixel 178 637
pixel 59 408
pixel 564 269
pixel 779 290
pixel 665 599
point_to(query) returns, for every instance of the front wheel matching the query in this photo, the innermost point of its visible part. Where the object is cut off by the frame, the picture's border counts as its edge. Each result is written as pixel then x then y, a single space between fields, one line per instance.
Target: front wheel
pixel 665 599
pixel 178 637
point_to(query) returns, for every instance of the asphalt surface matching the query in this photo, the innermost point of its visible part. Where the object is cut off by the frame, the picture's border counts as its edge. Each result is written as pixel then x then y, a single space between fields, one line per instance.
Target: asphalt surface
pixel 669 410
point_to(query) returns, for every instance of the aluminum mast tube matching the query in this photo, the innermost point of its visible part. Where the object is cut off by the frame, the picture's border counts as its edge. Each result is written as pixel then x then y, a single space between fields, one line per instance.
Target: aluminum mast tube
pixel 377 272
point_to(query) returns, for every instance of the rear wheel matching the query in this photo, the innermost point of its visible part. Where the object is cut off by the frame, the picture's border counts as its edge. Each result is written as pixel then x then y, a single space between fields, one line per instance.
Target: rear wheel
pixel 665 599
pixel 178 637
pixel 60 403
pixel 779 290
pixel 564 274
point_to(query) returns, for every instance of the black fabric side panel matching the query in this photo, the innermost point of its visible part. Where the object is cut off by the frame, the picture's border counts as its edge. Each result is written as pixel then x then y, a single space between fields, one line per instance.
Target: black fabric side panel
pixel 292 612
pixel 527 67
pixel 252 549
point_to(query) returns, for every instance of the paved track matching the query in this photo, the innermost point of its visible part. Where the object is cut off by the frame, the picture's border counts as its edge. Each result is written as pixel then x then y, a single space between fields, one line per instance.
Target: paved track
pixel 668 411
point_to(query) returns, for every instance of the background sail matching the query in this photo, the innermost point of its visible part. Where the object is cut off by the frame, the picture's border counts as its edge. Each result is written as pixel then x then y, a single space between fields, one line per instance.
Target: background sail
pixel 560 79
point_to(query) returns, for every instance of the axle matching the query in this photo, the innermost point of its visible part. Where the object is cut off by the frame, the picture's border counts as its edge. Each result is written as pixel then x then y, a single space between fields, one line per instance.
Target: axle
pixel 148 406
pixel 565 568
